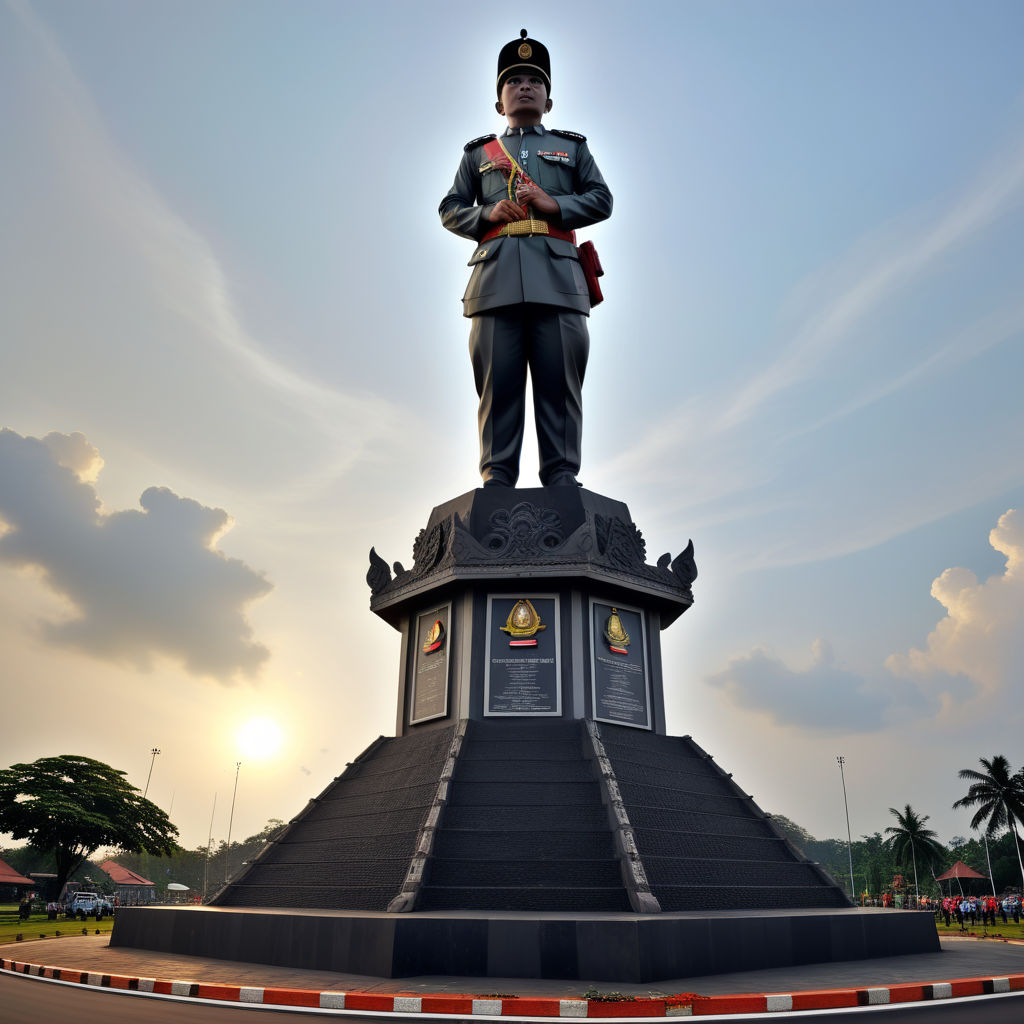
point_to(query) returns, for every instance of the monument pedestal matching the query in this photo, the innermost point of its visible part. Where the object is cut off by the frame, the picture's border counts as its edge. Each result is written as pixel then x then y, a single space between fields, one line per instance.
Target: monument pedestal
pixel 531 816
pixel 577 558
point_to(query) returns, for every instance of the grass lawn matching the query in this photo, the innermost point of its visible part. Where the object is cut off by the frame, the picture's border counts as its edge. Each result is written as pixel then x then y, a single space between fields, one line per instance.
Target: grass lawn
pixel 37 925
pixel 1000 931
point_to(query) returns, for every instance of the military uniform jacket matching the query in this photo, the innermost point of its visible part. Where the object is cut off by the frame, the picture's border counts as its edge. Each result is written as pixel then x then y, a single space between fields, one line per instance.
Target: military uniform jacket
pixel 511 270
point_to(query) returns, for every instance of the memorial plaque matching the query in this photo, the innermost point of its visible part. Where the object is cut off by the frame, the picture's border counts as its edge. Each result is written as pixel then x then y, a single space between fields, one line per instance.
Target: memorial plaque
pixel 432 642
pixel 522 671
pixel 620 678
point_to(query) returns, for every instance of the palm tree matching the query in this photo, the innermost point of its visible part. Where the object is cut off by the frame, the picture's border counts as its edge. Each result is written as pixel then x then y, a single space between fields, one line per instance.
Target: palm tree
pixel 998 795
pixel 910 835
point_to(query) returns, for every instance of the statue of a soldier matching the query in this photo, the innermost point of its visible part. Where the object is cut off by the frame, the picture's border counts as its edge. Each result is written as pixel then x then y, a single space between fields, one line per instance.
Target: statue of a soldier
pixel 520 197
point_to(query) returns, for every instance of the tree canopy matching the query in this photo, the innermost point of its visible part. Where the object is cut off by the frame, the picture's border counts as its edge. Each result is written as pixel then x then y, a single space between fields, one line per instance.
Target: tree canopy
pixel 909 836
pixel 998 795
pixel 73 805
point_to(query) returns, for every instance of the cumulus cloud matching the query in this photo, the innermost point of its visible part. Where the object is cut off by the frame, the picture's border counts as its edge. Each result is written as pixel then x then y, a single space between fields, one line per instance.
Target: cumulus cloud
pixel 821 696
pixel 142 582
pixel 981 637
pixel 973 653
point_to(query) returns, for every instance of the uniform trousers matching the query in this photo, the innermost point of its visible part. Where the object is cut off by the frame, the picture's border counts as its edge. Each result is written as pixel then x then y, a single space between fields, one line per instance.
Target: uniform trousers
pixel 554 344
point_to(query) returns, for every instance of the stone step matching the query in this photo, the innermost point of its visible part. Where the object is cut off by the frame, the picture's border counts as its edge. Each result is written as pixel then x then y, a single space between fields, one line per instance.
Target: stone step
pixel 521 750
pixel 533 729
pixel 296 875
pixel 327 897
pixel 511 772
pixel 681 800
pixel 349 848
pixel 529 817
pixel 658 819
pixel 496 844
pixel 719 871
pixel 519 874
pixel 654 843
pixel 496 795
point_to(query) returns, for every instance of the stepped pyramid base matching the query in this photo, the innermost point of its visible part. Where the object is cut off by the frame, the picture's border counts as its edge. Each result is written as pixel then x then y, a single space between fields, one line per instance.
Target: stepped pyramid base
pixel 558 849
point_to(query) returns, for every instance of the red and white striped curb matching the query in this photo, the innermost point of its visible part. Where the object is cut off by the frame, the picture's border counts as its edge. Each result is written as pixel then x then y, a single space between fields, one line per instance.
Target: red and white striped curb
pixel 528 1006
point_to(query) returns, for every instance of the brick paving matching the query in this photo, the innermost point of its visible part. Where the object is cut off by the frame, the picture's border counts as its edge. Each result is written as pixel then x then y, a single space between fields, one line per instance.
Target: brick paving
pixel 958 959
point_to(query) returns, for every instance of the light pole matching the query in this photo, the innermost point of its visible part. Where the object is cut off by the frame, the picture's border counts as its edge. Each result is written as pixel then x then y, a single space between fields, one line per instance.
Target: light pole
pixel 152 760
pixel 209 843
pixel 989 860
pixel 231 819
pixel 849 839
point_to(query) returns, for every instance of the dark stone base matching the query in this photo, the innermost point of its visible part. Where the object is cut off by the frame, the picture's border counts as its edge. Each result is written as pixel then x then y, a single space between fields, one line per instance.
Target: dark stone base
pixel 592 947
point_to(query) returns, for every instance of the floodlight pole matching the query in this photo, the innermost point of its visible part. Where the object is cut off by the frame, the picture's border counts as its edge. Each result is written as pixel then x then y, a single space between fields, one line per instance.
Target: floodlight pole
pixel 231 819
pixel 209 843
pixel 849 839
pixel 989 860
pixel 152 760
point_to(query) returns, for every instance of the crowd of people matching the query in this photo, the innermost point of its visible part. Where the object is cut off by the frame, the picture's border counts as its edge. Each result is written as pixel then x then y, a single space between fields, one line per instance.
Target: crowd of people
pixel 972 910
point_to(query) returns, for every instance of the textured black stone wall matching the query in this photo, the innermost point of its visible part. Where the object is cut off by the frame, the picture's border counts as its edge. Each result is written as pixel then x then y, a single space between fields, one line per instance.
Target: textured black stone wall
pixel 704 844
pixel 350 849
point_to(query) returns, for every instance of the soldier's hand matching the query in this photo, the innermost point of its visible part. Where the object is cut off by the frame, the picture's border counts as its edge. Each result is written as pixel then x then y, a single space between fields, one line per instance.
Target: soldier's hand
pixel 505 211
pixel 531 194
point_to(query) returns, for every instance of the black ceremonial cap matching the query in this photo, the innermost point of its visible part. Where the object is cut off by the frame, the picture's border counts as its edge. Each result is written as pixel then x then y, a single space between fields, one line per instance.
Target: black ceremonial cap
pixel 523 54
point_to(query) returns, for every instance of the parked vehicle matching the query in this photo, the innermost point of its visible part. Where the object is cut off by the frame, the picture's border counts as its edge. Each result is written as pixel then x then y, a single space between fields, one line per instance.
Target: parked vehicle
pixel 85 903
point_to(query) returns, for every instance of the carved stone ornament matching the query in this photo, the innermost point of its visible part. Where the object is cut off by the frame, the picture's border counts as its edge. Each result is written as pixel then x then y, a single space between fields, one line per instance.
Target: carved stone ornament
pixel 428 549
pixel 526 535
pixel 525 530
pixel 685 567
pixel 378 576
pixel 621 543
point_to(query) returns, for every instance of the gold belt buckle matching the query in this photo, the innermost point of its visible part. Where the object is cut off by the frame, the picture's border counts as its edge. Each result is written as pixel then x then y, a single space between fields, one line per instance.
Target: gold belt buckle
pixel 531 226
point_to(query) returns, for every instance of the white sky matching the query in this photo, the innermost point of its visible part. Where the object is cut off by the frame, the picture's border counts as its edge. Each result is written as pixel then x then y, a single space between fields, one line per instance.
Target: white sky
pixel 221 265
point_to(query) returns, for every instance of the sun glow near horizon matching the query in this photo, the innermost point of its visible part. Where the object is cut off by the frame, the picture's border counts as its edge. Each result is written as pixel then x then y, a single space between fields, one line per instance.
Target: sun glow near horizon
pixel 260 738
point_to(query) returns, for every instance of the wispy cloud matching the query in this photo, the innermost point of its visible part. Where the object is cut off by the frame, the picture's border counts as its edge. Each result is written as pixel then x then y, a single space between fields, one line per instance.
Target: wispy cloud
pixel 743 450
pixel 183 272
pixel 893 259
pixel 992 330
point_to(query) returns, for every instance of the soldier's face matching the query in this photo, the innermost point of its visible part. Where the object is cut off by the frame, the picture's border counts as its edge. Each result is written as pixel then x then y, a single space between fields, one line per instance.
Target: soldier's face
pixel 524 95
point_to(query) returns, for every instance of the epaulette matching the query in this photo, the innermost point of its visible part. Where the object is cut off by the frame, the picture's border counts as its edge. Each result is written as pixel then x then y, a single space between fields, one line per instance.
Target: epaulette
pixel 478 142
pixel 568 135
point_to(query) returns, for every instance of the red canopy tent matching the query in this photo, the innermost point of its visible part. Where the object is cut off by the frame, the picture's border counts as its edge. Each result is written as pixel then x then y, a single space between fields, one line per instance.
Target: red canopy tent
pixel 958 870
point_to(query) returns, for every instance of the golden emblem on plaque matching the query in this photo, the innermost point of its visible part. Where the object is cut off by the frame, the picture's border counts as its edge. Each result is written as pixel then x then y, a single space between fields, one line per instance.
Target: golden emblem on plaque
pixel 525 51
pixel 615 633
pixel 522 624
pixel 434 640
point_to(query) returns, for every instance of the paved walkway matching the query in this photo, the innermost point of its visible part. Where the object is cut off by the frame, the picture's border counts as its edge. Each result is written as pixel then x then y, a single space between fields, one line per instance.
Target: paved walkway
pixel 960 958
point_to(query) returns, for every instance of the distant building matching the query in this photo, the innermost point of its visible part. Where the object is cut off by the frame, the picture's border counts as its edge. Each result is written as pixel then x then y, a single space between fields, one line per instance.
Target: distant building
pixel 132 889
pixel 11 882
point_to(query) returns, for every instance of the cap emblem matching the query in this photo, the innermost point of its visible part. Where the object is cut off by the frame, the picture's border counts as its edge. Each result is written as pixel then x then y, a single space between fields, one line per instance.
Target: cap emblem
pixel 526 51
